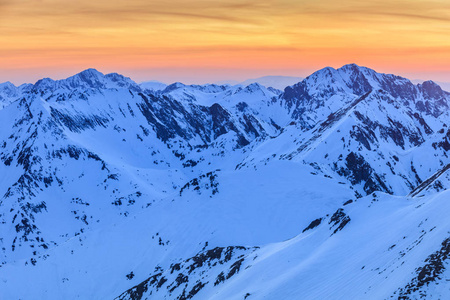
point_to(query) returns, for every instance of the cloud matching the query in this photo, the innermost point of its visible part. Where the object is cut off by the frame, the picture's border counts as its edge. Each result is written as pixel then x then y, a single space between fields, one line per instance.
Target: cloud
pixel 223 32
pixel 415 10
pixel 142 11
pixel 430 17
pixel 4 3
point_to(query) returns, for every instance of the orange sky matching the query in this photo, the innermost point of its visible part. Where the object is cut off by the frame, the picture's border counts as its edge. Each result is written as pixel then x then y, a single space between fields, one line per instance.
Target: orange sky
pixel 209 40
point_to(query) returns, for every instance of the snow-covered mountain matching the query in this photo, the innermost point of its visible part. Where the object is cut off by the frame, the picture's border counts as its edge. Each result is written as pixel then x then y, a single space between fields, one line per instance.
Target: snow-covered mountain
pixel 334 188
pixel 277 82
pixel 153 85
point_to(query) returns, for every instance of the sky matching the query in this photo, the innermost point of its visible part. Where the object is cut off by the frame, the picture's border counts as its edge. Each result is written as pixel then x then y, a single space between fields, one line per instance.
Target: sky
pixel 199 41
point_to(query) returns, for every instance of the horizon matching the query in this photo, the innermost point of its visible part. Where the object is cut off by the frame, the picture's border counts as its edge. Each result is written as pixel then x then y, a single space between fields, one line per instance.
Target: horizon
pixel 214 40
pixel 220 81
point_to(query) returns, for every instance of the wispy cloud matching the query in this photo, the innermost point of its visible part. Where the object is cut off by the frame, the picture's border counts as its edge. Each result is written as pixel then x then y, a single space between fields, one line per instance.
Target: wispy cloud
pixel 137 11
pixel 434 10
pixel 4 3
pixel 232 33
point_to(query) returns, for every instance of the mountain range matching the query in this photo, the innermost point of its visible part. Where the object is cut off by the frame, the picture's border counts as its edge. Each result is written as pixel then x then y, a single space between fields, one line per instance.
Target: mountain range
pixel 277 82
pixel 333 188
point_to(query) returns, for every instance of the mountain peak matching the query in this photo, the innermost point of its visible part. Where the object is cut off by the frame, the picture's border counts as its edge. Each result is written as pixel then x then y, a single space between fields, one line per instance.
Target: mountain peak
pixel 255 85
pixel 9 90
pixel 351 66
pixel 88 79
pixel 44 83
pixel 431 89
pixel 153 85
pixel 90 72
pixel 349 79
pixel 7 84
pixel 173 86
pixel 430 84
pixel 7 87
pixel 348 68
pixel 324 71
